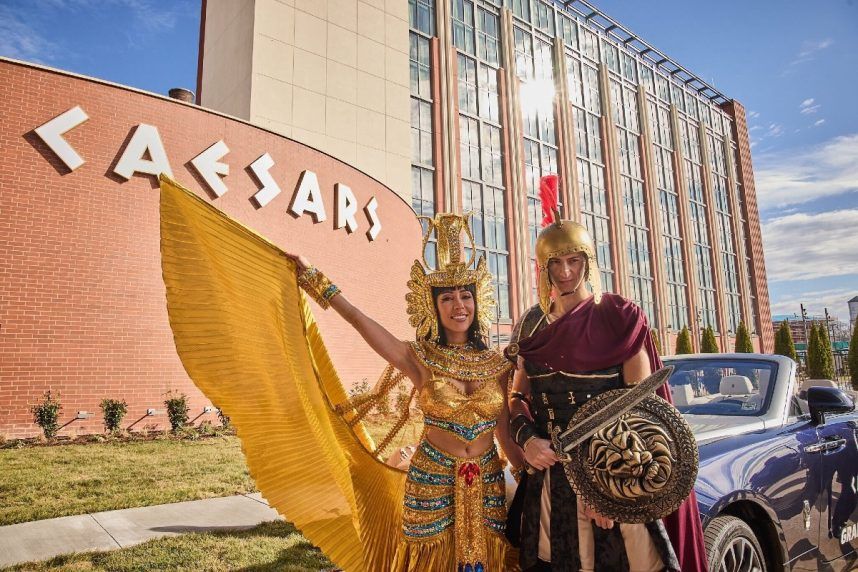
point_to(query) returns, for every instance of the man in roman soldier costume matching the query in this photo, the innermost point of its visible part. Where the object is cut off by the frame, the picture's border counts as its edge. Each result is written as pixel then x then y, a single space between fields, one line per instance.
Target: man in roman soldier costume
pixel 576 344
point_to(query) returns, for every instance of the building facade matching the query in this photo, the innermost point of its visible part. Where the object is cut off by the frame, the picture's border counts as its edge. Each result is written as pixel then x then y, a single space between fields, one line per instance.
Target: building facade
pixel 652 159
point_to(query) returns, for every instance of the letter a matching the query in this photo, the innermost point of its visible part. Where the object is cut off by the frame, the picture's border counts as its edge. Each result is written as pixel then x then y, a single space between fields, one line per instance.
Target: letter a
pixel 308 198
pixel 145 138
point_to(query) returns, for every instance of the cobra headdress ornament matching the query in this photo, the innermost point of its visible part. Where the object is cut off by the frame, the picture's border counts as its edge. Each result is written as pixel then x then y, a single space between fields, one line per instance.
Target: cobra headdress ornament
pixel 451 272
pixel 559 238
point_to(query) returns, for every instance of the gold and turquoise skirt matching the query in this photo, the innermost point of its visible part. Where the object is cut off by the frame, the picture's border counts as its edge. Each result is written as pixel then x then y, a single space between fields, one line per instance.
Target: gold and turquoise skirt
pixel 454 514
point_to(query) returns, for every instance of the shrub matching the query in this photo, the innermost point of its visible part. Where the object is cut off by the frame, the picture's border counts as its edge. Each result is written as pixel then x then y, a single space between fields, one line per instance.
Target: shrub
pixel 784 344
pixel 709 345
pixel 403 398
pixel 683 342
pixel 853 357
pixel 177 410
pixel 743 340
pixel 655 341
pixel 359 389
pixel 819 363
pixel 825 347
pixel 47 414
pixel 207 429
pixel 113 411
pixel 225 421
pixel 382 406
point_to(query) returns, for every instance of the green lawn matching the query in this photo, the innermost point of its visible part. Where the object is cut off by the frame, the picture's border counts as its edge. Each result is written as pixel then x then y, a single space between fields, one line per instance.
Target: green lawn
pixel 269 546
pixel 46 482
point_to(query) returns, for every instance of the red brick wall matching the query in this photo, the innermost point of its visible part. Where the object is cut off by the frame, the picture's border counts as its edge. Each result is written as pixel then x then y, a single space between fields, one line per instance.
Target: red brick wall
pixel 755 237
pixel 82 308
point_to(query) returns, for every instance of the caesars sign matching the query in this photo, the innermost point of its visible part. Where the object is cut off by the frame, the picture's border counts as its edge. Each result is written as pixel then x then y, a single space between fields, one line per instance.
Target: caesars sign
pixel 82 300
pixel 146 142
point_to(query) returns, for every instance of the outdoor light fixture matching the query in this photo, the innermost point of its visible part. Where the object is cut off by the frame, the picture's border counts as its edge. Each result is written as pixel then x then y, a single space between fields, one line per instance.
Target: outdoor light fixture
pixel 152 411
pixel 84 415
pixel 208 409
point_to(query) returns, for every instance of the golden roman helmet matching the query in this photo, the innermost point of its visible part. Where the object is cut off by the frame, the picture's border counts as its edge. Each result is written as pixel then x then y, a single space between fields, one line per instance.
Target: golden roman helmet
pixel 560 238
pixel 451 272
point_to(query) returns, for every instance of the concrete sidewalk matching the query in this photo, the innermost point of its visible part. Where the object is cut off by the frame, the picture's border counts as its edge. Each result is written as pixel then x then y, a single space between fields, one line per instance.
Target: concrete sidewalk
pixel 113 529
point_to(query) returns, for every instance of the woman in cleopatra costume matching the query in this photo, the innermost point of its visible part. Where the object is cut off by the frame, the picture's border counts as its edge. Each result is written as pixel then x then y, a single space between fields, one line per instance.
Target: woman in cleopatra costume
pixel 247 338
pixel 575 345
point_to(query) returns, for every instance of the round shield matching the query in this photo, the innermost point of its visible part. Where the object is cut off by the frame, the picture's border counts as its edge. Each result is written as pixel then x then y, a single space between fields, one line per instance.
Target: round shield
pixel 640 467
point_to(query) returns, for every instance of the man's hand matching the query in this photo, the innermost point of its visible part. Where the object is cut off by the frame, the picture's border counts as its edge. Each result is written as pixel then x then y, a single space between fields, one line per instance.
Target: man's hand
pixel 539 454
pixel 601 521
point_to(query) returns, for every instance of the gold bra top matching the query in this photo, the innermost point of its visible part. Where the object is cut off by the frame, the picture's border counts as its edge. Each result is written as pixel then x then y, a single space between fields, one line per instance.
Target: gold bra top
pixel 446 405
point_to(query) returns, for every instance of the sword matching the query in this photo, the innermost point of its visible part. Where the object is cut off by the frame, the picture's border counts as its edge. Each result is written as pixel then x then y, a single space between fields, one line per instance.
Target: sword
pixel 573 436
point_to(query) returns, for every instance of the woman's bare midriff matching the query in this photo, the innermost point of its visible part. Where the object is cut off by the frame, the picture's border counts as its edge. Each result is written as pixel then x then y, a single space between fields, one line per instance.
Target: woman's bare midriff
pixel 456 447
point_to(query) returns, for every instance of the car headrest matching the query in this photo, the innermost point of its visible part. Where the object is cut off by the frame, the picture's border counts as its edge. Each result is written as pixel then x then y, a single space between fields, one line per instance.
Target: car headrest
pixel 736 385
pixel 682 394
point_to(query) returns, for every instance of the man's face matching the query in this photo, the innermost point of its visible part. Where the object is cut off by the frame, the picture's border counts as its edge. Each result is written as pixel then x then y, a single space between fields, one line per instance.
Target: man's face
pixel 567 271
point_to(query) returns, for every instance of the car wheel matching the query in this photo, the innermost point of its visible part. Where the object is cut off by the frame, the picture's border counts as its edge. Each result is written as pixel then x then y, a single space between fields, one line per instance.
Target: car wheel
pixel 732 547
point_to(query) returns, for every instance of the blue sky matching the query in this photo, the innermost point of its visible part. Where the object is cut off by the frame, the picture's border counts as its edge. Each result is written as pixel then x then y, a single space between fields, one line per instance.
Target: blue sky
pixel 794 65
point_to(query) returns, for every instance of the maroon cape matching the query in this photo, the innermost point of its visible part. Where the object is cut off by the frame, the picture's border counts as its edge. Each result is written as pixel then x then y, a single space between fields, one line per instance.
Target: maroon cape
pixel 599 336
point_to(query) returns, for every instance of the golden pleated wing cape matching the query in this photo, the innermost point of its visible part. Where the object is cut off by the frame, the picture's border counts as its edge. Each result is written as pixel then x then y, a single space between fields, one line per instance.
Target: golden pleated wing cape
pixel 244 332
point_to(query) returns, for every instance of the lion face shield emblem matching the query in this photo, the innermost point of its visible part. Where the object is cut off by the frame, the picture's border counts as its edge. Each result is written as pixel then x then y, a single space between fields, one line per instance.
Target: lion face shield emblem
pixel 630 455
pixel 631 458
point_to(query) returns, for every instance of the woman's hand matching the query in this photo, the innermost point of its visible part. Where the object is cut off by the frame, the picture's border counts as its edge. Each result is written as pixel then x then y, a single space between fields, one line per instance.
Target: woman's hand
pixel 539 454
pixel 301 263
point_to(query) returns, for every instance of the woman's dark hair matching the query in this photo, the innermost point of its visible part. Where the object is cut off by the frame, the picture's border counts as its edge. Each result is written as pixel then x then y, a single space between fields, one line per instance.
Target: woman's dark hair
pixel 475 338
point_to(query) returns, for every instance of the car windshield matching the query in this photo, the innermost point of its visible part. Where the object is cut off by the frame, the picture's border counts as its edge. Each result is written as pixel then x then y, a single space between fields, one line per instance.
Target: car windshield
pixel 722 386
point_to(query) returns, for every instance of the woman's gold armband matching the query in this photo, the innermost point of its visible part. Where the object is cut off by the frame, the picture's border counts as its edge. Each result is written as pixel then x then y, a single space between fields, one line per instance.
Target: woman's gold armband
pixel 317 286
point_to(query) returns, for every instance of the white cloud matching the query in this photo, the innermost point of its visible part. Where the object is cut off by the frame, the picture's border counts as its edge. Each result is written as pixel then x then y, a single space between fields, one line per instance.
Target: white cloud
pixel 818 122
pixel 775 130
pixel 753 114
pixel 815 302
pixel 804 246
pixel 808 106
pixel 21 41
pixel 21 24
pixel 809 49
pixel 801 175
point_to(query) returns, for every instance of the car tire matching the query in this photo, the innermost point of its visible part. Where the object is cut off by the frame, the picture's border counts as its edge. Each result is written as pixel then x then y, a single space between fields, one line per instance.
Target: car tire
pixel 732 547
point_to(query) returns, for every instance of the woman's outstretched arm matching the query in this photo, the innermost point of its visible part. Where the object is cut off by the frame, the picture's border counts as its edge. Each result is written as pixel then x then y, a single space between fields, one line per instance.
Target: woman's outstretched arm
pixel 385 344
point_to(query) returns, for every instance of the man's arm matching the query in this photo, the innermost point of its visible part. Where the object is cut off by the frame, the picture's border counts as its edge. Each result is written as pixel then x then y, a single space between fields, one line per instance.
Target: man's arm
pixel 636 368
pixel 537 451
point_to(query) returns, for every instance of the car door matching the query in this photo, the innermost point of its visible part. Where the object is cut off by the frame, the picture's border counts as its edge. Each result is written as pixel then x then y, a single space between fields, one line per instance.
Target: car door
pixel 838 539
pixel 791 482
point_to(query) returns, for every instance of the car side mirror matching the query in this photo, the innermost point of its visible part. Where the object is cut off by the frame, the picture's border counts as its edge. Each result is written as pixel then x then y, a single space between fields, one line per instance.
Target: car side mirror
pixel 822 400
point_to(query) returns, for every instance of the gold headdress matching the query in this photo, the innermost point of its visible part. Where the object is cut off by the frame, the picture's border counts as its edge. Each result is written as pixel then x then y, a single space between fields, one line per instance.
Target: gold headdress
pixel 559 238
pixel 451 272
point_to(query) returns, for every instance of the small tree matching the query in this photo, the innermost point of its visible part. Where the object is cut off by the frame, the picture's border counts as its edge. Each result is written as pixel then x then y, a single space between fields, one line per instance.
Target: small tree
pixel 177 410
pixel 113 411
pixel 827 357
pixel 654 333
pixel 784 345
pixel 683 342
pixel 743 340
pixel 709 345
pixel 813 359
pixel 853 357
pixel 47 414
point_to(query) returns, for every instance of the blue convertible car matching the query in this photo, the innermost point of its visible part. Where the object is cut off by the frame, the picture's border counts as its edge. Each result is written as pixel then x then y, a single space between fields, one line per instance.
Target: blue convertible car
pixel 778 463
